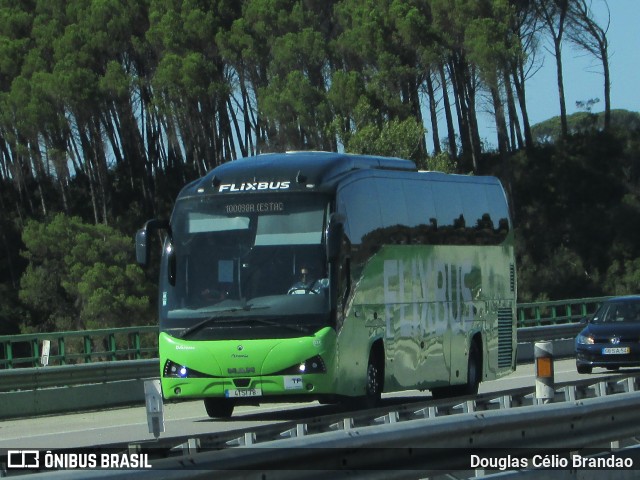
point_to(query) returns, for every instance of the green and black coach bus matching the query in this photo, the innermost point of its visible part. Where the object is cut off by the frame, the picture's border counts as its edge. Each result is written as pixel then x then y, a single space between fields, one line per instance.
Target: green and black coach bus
pixel 333 277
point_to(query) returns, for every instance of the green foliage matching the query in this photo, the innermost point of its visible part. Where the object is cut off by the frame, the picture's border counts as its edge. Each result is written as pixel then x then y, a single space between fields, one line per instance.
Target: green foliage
pixel 623 277
pixel 442 162
pixel 298 110
pixel 377 39
pixel 488 38
pixel 561 275
pixel 11 264
pixel 548 132
pixel 577 210
pixel 394 139
pixel 80 276
pixel 10 310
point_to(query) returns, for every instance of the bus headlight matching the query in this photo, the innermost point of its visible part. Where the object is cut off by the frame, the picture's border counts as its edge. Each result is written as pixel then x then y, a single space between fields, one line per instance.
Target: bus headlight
pixel 175 370
pixel 312 365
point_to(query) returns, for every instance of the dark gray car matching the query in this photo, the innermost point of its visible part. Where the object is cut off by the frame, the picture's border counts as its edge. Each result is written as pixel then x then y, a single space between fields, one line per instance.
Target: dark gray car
pixel 611 337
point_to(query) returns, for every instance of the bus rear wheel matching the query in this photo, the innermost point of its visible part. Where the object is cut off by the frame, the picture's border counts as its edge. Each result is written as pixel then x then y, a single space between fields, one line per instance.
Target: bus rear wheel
pixel 474 370
pixel 474 376
pixel 218 407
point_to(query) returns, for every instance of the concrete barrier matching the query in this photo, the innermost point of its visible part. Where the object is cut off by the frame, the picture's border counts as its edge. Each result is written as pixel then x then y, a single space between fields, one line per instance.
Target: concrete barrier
pixel 561 349
pixel 29 392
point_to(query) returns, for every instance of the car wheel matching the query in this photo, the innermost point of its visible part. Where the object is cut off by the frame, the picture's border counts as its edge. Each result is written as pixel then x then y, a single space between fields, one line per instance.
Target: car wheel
pixel 584 369
pixel 218 407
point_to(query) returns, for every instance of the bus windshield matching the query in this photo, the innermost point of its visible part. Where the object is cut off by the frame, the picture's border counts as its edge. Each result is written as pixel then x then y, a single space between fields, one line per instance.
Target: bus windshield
pixel 239 263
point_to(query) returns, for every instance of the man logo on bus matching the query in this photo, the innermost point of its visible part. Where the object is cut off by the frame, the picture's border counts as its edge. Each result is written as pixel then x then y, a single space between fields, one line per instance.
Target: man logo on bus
pixel 254 186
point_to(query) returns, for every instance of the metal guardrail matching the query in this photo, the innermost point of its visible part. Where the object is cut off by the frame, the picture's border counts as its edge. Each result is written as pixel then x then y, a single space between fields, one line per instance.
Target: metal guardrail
pixel 550 332
pixel 431 446
pixel 74 347
pixel 514 399
pixel 412 440
pixel 29 392
pixel 556 312
pixel 142 342
pixel 82 374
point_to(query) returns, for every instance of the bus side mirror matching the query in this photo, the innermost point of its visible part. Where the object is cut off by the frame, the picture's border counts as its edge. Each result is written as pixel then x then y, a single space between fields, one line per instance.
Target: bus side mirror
pixel 335 231
pixel 142 239
pixel 171 263
pixel 142 247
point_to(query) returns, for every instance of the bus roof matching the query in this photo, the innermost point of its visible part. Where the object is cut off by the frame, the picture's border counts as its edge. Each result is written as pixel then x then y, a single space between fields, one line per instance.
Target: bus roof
pixel 301 170
pixel 429 175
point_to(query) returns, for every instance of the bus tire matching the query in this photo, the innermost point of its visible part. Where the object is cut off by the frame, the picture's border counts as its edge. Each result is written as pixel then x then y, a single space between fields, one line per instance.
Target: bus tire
pixel 474 376
pixel 218 407
pixel 375 376
pixel 474 370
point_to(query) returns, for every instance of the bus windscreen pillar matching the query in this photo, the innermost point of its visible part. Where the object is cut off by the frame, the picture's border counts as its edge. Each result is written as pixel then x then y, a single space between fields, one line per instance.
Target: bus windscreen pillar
pixel 543 353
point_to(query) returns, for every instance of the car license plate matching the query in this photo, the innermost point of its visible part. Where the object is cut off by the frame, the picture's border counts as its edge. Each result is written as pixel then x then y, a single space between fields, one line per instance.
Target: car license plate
pixel 615 350
pixel 243 392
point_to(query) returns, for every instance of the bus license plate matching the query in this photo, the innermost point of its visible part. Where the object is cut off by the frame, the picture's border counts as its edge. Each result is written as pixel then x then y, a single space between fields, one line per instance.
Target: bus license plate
pixel 243 392
pixel 615 350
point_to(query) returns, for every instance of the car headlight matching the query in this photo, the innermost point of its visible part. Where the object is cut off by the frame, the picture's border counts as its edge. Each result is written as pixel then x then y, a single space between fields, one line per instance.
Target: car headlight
pixel 585 339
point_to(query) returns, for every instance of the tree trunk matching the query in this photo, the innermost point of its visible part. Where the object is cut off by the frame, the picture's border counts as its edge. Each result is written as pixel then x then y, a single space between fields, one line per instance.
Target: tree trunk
pixel 433 114
pixel 501 124
pixel 563 106
pixel 451 132
pixel 518 82
pixel 607 90
pixel 514 121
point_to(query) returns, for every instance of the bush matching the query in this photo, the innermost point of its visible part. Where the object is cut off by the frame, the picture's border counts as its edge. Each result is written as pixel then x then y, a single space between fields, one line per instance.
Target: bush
pixel 81 276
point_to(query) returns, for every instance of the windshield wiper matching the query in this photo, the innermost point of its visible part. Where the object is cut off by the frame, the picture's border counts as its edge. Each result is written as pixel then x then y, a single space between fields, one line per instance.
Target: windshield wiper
pixel 227 320
pixel 199 325
pixel 298 328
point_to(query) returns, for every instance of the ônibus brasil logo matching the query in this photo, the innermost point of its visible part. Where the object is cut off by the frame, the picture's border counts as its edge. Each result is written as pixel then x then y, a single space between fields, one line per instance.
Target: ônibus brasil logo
pixel 253 186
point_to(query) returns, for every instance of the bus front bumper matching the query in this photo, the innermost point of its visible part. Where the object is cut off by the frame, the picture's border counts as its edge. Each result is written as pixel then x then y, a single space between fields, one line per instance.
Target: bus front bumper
pixel 250 389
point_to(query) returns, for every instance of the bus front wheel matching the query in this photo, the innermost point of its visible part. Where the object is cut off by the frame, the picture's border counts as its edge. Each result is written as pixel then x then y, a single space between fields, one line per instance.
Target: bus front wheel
pixel 374 380
pixel 218 407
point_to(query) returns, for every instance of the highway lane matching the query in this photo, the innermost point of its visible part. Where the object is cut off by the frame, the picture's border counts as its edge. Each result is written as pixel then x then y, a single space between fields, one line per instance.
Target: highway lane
pixel 189 418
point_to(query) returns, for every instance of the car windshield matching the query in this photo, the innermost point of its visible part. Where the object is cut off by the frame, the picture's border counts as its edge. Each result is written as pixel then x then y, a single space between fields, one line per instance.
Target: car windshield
pixel 618 311
pixel 245 257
